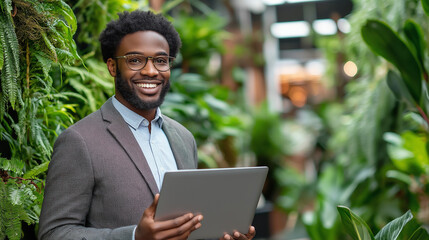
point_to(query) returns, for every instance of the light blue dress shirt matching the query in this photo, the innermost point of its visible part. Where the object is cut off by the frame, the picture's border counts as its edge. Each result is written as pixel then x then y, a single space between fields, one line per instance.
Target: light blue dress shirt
pixel 154 144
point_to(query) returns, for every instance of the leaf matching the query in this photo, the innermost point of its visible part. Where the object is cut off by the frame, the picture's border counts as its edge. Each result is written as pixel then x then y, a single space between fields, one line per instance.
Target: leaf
pixel 50 46
pixel 36 170
pixel 354 225
pixel 12 165
pixel 400 176
pixel 414 34
pixel 425 5
pixel 383 41
pixel 408 152
pixel 392 230
pixel 170 5
pixel 1 54
pixel 397 86
pixel 10 69
pixel 420 234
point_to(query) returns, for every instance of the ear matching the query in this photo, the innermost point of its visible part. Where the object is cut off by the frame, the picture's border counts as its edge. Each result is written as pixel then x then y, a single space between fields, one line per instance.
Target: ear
pixel 111 65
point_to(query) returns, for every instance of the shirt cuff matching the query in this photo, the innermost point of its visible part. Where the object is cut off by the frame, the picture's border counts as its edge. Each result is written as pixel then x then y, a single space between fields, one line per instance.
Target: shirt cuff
pixel 134 233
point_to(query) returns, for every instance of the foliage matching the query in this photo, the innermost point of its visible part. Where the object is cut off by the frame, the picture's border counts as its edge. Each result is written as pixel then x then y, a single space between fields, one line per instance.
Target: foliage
pixel 399 228
pixel 202 108
pixel 408 150
pixel 375 139
pixel 32 114
pixel 201 36
pixel 93 16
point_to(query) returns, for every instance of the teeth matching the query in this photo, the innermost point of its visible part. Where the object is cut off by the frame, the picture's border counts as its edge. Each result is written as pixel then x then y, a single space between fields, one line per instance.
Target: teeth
pixel 146 85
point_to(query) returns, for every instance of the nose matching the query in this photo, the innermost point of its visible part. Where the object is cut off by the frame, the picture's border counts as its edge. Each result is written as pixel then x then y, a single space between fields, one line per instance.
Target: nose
pixel 149 69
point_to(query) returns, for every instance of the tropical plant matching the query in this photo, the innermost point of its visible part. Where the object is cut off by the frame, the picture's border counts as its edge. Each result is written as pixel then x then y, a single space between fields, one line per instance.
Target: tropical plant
pixel 34 49
pixel 400 228
pixel 374 158
pixel 409 82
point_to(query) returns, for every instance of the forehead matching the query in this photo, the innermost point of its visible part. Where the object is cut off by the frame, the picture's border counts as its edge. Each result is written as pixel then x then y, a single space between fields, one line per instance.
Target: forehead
pixel 145 42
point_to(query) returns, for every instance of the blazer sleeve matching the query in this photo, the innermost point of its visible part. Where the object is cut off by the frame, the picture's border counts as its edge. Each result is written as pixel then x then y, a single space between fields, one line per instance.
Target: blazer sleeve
pixel 68 193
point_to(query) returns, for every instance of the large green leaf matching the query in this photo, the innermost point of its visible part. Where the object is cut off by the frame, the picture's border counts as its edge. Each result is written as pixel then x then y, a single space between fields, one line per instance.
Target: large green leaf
pixel 397 86
pixel 392 230
pixel 354 225
pixel 425 4
pixel 383 41
pixel 420 234
pixel 414 34
pixel 408 152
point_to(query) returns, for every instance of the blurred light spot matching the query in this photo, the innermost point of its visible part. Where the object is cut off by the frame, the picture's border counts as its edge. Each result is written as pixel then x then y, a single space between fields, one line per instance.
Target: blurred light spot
pixel 350 69
pixel 301 1
pixel 273 2
pixel 315 67
pixel 298 96
pixel 325 26
pixel 344 25
pixel 290 29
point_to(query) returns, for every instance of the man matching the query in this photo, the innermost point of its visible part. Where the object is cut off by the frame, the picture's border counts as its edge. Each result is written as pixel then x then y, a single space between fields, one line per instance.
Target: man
pixel 108 167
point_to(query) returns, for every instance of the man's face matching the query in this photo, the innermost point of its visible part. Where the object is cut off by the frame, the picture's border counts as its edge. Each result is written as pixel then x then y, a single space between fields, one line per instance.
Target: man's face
pixel 143 89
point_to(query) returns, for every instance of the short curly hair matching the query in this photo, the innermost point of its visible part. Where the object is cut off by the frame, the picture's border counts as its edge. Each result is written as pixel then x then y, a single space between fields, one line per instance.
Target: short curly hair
pixel 131 22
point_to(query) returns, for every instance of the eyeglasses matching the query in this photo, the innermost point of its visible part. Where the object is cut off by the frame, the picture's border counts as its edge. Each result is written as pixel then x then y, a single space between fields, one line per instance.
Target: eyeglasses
pixel 137 62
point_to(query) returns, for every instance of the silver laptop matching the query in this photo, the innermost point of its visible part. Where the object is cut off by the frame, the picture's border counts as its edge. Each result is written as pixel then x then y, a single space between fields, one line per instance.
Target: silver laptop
pixel 226 197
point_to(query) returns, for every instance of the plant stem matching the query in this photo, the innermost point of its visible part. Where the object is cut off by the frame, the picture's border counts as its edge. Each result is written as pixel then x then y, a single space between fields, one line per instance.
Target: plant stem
pixel 423 114
pixel 28 67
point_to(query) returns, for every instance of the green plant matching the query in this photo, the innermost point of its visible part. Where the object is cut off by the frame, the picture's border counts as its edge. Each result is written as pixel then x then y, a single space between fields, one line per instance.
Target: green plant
pixel 408 80
pixel 32 114
pixel 364 132
pixel 202 108
pixel 400 228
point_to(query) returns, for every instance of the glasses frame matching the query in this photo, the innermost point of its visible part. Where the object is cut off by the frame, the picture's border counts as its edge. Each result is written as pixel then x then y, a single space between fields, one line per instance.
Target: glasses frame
pixel 170 61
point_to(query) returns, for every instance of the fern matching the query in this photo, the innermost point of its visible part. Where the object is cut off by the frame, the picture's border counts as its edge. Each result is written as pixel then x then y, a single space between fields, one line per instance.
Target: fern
pixel 10 66
pixel 3 209
pixel 50 46
pixel 37 170
pixel 13 165
pixel 1 53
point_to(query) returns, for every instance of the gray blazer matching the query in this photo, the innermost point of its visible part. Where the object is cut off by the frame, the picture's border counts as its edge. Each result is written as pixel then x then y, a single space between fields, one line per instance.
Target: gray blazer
pixel 99 183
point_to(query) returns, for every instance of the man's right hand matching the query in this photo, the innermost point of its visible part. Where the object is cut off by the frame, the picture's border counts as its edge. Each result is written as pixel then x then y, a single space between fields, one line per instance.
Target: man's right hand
pixel 176 229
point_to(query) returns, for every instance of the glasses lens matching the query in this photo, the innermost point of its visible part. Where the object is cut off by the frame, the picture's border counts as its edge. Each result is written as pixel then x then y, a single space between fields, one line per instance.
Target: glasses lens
pixel 162 63
pixel 136 62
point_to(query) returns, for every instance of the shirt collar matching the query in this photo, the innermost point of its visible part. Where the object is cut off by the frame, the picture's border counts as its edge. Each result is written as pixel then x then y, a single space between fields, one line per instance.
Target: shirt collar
pixel 133 119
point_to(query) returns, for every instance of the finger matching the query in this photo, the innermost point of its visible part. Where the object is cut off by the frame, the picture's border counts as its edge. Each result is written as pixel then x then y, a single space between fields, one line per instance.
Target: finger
pixel 186 234
pixel 226 237
pixel 252 232
pixel 150 211
pixel 249 235
pixel 182 230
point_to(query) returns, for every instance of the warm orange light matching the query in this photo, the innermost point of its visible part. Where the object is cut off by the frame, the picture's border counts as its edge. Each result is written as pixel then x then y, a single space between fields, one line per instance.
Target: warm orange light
pixel 298 96
pixel 350 69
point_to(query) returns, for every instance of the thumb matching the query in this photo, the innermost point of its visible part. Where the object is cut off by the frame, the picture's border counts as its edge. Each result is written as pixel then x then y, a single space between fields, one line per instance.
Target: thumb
pixel 150 211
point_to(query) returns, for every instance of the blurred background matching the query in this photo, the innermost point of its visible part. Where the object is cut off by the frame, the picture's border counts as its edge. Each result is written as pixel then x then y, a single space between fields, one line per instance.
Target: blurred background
pixel 288 84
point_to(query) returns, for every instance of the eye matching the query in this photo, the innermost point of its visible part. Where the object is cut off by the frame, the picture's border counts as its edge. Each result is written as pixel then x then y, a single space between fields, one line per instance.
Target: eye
pixel 161 60
pixel 135 60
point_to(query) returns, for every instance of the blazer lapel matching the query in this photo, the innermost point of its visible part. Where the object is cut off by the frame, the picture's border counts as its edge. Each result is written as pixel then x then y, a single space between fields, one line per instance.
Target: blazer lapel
pixel 178 147
pixel 123 135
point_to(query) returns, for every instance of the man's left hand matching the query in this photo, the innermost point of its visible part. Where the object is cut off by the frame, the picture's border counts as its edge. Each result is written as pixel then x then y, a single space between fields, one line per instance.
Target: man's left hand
pixel 240 236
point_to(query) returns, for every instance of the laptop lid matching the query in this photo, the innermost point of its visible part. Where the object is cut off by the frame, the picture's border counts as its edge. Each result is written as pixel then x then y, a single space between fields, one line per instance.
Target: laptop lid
pixel 226 197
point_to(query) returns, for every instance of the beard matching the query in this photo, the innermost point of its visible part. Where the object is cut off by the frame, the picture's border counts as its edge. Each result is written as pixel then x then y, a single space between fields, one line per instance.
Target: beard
pixel 131 96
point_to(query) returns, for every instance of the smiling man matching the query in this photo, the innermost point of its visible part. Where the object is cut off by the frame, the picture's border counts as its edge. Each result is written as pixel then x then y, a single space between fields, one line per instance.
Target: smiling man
pixel 107 169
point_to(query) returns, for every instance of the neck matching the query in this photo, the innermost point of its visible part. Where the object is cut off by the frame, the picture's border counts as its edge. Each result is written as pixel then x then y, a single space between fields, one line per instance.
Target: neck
pixel 148 114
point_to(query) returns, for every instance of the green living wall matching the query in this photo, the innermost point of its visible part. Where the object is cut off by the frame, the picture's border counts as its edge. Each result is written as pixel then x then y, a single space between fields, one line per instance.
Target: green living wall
pixel 52 75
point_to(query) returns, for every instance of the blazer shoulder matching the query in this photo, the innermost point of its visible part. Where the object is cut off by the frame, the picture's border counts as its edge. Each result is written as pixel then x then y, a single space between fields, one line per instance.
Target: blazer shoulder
pixel 177 126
